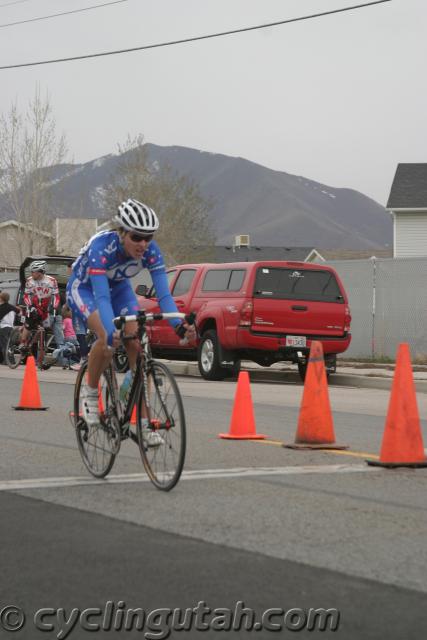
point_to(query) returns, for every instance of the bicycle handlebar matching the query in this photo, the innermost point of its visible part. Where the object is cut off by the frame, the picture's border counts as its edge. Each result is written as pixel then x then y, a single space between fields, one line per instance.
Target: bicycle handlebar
pixel 121 320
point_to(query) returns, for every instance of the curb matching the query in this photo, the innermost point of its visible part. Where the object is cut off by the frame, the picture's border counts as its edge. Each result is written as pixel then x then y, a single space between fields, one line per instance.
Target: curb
pixel 275 376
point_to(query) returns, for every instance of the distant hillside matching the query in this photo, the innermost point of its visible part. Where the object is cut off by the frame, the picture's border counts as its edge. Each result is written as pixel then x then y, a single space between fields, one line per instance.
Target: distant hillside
pixel 274 207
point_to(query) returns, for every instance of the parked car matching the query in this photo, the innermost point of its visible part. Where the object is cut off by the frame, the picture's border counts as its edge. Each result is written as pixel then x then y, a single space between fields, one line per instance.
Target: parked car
pixel 263 311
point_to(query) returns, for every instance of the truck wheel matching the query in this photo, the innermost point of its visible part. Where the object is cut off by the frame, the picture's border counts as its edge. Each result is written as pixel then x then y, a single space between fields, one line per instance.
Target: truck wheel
pixel 208 357
pixel 234 371
pixel 302 370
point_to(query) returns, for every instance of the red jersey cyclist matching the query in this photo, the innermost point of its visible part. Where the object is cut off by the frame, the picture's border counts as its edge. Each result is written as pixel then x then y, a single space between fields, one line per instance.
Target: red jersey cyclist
pixel 40 293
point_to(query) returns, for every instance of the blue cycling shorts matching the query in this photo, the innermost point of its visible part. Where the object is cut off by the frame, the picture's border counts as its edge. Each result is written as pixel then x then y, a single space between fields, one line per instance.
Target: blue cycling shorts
pixel 81 300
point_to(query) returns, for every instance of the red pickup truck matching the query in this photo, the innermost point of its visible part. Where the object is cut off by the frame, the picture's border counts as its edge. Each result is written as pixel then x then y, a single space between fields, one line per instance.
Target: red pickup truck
pixel 264 311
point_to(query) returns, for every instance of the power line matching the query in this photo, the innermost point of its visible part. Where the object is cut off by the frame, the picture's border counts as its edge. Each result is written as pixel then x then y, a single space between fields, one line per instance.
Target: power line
pixel 15 2
pixel 64 13
pixel 193 39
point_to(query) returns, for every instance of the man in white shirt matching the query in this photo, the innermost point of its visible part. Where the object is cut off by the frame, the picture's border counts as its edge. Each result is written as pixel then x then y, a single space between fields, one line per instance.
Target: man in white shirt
pixel 7 318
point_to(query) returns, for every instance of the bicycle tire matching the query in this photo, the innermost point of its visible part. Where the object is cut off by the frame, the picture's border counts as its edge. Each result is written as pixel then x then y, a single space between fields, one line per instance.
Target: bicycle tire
pixel 13 357
pixel 100 444
pixel 164 463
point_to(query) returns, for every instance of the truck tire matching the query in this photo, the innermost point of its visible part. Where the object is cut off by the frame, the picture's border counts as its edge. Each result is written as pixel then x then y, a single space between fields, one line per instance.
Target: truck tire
pixel 208 357
pixel 302 370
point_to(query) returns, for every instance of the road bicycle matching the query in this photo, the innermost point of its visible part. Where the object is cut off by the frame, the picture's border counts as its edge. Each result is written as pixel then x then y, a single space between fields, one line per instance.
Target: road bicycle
pixel 153 400
pixel 39 343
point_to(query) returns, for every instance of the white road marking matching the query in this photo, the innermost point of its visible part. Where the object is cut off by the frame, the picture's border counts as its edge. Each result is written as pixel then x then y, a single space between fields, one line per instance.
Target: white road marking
pixel 198 474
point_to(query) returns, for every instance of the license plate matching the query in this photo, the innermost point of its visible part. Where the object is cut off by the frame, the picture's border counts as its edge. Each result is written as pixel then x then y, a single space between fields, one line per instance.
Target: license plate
pixel 295 341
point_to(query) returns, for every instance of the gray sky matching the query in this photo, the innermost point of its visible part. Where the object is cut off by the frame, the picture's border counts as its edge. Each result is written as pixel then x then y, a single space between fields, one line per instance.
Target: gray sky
pixel 340 99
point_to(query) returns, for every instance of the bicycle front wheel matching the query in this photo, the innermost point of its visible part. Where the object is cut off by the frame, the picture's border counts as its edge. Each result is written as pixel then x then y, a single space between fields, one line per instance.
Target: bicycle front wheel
pixel 98 444
pixel 161 427
pixel 14 355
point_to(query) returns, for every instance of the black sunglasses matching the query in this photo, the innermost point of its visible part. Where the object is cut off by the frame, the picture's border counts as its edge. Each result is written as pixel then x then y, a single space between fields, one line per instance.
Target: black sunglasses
pixel 137 237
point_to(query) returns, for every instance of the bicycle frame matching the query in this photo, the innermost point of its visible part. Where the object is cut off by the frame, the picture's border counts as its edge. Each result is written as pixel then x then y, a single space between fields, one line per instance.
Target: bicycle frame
pixel 143 365
pixel 139 379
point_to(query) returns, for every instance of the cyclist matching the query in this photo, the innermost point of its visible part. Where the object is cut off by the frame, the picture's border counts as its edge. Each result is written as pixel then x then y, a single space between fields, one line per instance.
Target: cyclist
pixel 99 289
pixel 41 291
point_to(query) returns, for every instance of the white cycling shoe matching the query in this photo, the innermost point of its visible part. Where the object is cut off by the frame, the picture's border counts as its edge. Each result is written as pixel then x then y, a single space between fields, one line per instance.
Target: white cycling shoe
pixel 90 406
pixel 151 438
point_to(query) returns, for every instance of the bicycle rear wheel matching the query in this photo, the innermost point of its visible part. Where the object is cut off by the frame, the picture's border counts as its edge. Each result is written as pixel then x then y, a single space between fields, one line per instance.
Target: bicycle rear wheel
pixel 164 417
pixel 99 444
pixel 13 355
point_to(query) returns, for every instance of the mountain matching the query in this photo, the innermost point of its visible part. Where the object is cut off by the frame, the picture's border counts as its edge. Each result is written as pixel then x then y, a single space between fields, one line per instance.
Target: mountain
pixel 275 208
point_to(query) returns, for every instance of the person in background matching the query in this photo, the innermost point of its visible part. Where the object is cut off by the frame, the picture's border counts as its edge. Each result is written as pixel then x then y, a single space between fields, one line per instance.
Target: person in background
pixel 55 317
pixel 70 337
pixel 80 331
pixel 67 352
pixel 7 319
pixel 41 292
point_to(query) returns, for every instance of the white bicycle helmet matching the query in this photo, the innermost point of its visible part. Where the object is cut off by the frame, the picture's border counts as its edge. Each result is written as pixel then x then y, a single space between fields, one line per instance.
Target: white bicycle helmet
pixel 135 216
pixel 38 265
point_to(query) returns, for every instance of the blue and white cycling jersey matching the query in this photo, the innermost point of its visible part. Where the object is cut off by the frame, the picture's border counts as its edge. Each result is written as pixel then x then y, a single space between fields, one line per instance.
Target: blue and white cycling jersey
pixel 100 280
pixel 104 254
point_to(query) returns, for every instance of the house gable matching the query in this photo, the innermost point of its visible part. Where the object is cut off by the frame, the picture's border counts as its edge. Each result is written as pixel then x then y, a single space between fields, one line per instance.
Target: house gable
pixel 409 188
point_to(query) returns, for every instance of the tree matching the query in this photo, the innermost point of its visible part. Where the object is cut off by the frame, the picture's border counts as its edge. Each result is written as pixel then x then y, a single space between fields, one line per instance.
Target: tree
pixel 185 234
pixel 29 149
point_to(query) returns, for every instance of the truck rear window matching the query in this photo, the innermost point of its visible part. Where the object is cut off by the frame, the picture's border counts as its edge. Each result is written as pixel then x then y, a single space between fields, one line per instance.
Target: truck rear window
pixel 297 284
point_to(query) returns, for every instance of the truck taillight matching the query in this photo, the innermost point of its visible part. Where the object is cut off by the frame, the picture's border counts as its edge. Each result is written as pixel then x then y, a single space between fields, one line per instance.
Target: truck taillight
pixel 246 314
pixel 347 318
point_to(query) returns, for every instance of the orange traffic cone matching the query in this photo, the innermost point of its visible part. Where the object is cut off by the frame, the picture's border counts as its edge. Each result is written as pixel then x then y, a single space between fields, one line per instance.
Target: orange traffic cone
pixel 315 425
pixel 402 444
pixel 30 393
pixel 133 416
pixel 242 426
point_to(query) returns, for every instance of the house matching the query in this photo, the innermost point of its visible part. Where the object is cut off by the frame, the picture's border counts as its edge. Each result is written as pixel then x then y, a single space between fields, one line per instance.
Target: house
pixel 18 239
pixel 71 234
pixel 408 205
pixel 242 251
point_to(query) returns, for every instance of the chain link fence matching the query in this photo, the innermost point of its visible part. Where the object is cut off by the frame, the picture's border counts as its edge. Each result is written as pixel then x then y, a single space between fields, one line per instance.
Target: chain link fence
pixel 388 303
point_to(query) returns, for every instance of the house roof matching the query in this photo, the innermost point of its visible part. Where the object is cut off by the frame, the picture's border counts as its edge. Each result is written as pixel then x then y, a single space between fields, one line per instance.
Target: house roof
pixel 355 254
pixel 254 253
pixel 409 188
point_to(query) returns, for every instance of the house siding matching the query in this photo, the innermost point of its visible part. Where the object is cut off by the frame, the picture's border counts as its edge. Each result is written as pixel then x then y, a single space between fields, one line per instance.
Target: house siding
pixel 410 234
pixel 73 233
pixel 15 244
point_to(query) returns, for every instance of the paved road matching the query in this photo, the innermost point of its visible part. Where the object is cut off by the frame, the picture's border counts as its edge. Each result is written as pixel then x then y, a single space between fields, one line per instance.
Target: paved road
pixel 250 521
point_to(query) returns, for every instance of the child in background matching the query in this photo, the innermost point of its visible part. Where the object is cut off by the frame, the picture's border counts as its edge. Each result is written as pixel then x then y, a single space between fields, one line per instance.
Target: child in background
pixel 69 333
pixel 71 345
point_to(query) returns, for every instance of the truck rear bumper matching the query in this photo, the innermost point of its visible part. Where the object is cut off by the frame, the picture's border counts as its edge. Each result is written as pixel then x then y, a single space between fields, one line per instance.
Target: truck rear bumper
pixel 247 339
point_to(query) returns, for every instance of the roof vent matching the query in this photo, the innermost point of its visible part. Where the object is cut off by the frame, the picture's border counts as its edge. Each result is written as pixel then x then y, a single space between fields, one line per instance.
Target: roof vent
pixel 242 241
